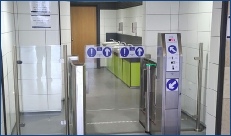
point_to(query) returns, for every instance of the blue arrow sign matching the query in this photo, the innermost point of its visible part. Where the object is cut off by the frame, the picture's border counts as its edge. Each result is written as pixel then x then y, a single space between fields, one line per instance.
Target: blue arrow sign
pixel 124 52
pixel 91 52
pixel 172 49
pixel 107 51
pixel 139 51
pixel 172 84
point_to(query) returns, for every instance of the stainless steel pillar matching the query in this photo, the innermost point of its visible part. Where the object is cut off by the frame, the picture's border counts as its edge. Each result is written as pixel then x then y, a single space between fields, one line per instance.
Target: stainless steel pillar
pixel 66 88
pixel 200 69
pixel 147 101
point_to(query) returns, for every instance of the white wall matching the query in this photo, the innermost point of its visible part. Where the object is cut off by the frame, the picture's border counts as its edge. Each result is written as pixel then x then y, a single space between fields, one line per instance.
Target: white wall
pixel 110 19
pixel 211 95
pixel 158 17
pixel 128 16
pixel 40 86
pixel 107 23
pixel 7 42
pixel 195 27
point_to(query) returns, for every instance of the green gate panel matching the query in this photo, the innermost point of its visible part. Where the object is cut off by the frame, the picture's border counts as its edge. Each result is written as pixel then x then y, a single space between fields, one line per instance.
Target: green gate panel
pixel 120 68
pixel 135 74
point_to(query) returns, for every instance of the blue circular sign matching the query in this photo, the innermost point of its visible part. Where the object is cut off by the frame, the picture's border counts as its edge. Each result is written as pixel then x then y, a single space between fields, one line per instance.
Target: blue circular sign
pixel 124 52
pixel 91 52
pixel 139 51
pixel 172 84
pixel 172 49
pixel 107 51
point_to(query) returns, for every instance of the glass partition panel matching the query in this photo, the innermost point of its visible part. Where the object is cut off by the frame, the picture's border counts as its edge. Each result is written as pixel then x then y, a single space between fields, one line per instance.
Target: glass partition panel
pixel 40 85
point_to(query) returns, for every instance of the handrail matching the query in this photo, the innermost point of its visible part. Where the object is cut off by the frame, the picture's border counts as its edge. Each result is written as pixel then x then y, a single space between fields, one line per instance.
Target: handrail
pixel 200 69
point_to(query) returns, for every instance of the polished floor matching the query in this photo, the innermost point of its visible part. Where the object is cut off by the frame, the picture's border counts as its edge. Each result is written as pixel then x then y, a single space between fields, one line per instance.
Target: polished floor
pixel 111 108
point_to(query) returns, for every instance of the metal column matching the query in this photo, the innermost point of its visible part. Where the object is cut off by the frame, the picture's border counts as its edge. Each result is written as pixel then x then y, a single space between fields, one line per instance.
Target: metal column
pixel 66 88
pixel 200 69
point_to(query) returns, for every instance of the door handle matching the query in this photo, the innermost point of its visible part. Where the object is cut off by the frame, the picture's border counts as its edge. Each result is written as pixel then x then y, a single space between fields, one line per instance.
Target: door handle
pixel 72 40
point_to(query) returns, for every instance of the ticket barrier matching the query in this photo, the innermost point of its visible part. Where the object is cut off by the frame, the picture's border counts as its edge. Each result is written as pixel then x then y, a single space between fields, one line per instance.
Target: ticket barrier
pixel 160 107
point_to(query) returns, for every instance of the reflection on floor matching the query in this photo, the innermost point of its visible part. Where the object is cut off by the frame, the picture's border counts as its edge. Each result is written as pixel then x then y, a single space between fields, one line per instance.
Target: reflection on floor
pixel 111 108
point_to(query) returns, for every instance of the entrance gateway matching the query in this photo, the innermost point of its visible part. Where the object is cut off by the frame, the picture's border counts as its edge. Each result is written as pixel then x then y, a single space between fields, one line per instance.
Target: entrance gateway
pixel 160 106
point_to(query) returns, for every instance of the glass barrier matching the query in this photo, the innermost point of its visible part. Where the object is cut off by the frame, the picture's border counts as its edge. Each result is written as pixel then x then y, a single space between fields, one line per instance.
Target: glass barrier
pixel 40 88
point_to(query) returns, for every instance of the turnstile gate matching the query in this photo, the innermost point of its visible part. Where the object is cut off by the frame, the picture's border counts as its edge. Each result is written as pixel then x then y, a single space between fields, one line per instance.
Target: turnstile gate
pixel 160 108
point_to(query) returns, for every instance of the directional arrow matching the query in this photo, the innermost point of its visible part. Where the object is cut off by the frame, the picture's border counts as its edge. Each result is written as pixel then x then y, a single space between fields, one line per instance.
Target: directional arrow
pixel 139 51
pixel 107 51
pixel 172 49
pixel 171 85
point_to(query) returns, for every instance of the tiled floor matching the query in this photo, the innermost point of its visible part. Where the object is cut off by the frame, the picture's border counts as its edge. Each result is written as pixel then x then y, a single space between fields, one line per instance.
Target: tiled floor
pixel 111 108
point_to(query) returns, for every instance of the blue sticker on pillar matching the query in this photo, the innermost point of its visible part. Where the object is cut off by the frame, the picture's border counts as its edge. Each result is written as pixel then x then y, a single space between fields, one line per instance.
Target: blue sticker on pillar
pixel 172 84
pixel 172 49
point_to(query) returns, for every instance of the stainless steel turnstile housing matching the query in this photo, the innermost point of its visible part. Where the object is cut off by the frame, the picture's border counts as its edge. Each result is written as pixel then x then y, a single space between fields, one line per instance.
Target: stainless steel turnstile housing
pixel 169 85
pixel 160 106
pixel 76 97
